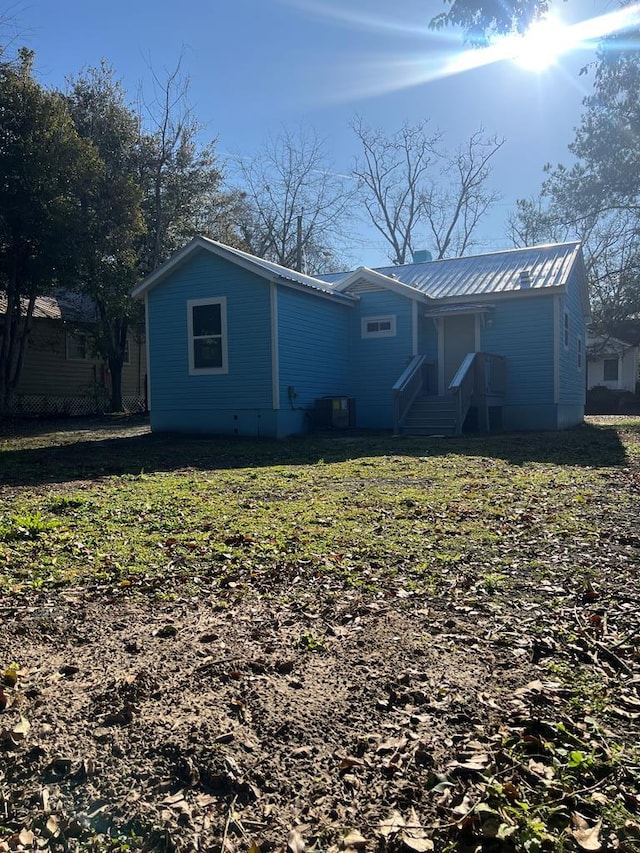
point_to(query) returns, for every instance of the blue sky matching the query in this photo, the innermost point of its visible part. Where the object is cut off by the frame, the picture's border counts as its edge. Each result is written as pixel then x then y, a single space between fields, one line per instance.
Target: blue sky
pixel 258 65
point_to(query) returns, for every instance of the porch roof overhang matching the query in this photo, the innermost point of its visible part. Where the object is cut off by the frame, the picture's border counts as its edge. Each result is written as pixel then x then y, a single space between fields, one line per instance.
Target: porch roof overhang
pixel 454 310
pixel 386 282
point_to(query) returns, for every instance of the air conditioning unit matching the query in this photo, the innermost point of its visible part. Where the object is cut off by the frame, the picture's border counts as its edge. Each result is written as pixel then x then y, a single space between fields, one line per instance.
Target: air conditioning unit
pixel 335 413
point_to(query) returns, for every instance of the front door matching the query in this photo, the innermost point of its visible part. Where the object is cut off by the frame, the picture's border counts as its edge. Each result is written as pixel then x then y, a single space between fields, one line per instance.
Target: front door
pixel 458 339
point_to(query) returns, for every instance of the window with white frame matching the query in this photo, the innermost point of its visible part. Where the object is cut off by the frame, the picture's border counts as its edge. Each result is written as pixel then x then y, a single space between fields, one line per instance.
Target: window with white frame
pixel 565 332
pixel 77 347
pixel 379 327
pixel 207 329
pixel 610 369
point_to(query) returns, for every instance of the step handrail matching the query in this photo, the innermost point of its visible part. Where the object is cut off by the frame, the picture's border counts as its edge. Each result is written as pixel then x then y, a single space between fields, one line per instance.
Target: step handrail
pixel 407 387
pixel 462 387
pixel 481 375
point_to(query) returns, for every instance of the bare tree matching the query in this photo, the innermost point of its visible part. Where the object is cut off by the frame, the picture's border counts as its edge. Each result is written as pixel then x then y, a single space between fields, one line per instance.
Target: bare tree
pixel 459 198
pixel 410 184
pixel 181 179
pixel 295 205
pixel 391 175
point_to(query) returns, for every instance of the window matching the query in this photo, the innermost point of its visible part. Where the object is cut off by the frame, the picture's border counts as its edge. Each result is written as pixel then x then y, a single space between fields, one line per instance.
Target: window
pixel 566 330
pixel 610 369
pixel 207 324
pixel 379 327
pixel 579 353
pixel 77 348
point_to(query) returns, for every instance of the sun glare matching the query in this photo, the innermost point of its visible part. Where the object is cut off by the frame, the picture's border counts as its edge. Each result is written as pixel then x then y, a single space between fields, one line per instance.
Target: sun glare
pixel 542 44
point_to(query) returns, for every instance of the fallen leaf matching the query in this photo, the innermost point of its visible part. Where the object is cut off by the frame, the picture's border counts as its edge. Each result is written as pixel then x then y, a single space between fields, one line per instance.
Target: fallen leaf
pixel 586 836
pixel 392 745
pixel 392 824
pixel 295 841
pixel 354 840
pixel 52 825
pixel 21 729
pixel 414 836
pixel 26 837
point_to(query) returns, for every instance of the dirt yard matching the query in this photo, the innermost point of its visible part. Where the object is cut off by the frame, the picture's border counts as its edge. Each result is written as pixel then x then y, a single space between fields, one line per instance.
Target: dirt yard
pixel 212 716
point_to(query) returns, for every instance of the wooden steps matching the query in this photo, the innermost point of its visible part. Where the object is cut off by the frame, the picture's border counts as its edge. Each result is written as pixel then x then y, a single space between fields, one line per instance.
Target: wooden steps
pixel 431 416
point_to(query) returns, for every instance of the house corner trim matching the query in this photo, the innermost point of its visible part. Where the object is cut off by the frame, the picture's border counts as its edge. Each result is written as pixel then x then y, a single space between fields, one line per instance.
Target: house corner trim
pixel 275 373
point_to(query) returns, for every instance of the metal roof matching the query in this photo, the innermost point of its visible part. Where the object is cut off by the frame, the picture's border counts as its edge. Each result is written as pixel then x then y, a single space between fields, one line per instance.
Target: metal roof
pixel 459 308
pixel 495 272
pixel 266 269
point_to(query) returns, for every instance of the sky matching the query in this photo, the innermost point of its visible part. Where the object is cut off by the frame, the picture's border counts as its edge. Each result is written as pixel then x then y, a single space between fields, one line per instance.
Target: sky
pixel 258 66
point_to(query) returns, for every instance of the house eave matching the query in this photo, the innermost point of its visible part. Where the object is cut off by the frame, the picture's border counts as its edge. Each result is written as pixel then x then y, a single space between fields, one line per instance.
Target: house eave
pixel 308 284
pixel 369 276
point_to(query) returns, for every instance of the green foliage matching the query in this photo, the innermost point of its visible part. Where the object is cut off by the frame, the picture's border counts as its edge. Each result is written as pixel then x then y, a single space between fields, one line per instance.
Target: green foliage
pixel 111 213
pixel 309 643
pixel 480 19
pixel 43 164
pixel 61 503
pixel 597 199
pixel 26 526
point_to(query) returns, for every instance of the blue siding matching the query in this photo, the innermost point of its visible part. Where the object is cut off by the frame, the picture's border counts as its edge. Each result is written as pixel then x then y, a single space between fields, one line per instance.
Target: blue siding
pixel 572 389
pixel 209 403
pixel 313 343
pixel 522 330
pixel 376 363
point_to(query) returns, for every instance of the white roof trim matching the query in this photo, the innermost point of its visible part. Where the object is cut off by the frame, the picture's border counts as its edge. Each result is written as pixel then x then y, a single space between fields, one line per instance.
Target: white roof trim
pixel 265 269
pixel 380 280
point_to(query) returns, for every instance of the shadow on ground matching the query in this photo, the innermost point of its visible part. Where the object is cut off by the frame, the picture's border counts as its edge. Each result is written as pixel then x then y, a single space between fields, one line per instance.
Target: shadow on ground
pixel 58 452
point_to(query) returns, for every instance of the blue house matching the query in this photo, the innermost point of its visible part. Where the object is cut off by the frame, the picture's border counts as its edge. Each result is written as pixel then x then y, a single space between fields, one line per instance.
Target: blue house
pixel 238 345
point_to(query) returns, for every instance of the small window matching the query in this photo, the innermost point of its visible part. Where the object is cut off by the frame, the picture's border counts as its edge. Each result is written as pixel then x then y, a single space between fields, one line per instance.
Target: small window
pixel 579 353
pixel 378 327
pixel 566 330
pixel 207 322
pixel 610 369
pixel 77 348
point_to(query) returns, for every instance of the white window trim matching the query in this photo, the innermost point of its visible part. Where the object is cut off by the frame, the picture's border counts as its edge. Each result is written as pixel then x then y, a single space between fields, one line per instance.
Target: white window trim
pixel 70 336
pixel 208 371
pixel 386 333
pixel 617 360
pixel 580 354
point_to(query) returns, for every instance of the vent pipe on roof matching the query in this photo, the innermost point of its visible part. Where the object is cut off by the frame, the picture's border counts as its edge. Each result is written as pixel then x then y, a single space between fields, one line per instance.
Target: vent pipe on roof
pixel 525 279
pixel 421 256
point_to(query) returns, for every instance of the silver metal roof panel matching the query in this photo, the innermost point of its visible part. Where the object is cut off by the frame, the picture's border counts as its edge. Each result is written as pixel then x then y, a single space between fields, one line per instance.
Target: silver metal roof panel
pixel 494 272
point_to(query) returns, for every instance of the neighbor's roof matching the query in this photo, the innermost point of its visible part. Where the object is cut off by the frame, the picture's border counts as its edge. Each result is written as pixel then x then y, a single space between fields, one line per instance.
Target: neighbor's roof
pixel 495 272
pixel 69 307
pixel 265 269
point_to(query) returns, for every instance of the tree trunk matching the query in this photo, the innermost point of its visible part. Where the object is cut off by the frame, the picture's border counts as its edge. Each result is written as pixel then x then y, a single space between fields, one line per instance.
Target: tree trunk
pixel 115 369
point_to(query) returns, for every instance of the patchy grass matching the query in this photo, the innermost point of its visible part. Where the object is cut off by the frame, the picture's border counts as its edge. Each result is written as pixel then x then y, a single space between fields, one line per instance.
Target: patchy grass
pixel 532 537
pixel 373 512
